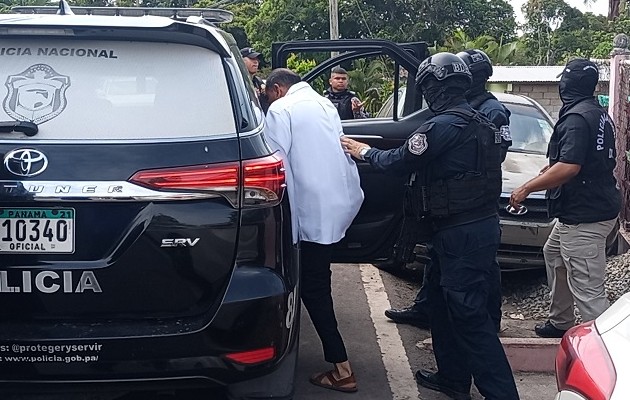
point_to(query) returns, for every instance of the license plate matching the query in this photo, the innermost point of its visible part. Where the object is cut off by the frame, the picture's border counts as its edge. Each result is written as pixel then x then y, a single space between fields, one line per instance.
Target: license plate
pixel 36 230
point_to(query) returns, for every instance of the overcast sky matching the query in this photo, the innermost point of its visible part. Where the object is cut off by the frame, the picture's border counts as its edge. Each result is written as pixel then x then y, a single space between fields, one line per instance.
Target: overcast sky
pixel 597 7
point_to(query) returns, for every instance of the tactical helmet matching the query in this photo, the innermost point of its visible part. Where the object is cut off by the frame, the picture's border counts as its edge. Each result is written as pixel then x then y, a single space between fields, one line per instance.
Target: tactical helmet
pixel 477 61
pixel 442 66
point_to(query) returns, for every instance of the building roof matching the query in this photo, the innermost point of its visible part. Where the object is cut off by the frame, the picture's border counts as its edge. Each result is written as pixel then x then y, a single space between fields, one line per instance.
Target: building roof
pixel 539 74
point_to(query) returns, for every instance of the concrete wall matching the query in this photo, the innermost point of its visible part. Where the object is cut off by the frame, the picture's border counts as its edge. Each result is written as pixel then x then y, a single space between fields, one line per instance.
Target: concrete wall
pixel 547 94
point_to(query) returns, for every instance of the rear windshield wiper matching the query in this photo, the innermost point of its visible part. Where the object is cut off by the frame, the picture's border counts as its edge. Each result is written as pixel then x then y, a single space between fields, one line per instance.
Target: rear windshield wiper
pixel 511 150
pixel 26 127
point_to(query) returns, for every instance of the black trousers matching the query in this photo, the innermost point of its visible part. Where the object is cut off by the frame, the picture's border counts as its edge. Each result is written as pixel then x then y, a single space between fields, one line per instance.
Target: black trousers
pixel 317 298
pixel 495 299
pixel 462 277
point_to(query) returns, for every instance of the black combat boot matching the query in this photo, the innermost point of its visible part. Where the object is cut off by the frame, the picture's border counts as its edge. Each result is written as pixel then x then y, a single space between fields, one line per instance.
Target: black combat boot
pixel 408 315
pixel 547 330
pixel 433 381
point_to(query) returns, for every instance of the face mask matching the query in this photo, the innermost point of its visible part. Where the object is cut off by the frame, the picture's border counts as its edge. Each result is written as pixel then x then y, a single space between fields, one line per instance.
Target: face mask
pixel 572 89
pixel 435 99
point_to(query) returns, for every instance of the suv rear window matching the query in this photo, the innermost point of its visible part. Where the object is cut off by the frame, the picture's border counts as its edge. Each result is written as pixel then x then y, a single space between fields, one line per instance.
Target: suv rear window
pixel 114 90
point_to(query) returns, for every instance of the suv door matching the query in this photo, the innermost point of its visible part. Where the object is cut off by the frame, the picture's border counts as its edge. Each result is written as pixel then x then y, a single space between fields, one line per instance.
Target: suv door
pixel 376 227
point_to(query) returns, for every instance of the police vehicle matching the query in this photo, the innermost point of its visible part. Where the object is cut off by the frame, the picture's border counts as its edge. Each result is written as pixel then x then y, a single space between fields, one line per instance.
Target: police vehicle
pixel 144 230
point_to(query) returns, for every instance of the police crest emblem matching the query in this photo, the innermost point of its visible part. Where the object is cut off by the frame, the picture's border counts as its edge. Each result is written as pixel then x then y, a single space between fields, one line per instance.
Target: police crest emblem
pixel 37 94
pixel 418 144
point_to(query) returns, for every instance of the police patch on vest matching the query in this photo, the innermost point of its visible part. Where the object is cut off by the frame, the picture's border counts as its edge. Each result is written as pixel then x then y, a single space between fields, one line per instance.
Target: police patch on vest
pixel 37 94
pixel 505 133
pixel 418 144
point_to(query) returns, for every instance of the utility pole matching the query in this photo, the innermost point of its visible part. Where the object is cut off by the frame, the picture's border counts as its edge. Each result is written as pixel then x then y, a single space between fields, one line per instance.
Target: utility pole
pixel 333 12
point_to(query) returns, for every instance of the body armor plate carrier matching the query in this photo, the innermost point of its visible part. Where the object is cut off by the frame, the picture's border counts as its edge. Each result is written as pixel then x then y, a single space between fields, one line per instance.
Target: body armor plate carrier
pixel 469 193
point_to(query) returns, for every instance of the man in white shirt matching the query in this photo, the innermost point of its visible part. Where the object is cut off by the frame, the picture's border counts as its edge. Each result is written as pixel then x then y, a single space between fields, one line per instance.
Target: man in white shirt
pixel 325 195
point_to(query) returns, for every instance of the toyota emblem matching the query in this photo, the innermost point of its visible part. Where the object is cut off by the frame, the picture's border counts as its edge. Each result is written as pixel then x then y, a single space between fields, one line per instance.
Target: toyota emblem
pixel 25 162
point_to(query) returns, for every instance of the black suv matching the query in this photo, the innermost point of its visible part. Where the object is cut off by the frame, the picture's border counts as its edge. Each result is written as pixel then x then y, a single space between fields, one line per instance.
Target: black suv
pixel 144 235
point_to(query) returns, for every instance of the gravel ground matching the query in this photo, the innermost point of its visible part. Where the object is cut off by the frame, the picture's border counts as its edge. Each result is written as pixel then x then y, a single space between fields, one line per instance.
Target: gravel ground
pixel 531 301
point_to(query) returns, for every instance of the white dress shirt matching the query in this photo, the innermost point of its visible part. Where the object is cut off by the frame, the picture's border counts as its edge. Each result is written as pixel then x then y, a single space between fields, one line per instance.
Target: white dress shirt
pixel 322 181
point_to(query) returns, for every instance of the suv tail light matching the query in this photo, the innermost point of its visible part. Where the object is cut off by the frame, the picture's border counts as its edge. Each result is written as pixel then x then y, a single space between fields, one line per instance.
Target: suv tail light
pixel 263 180
pixel 583 364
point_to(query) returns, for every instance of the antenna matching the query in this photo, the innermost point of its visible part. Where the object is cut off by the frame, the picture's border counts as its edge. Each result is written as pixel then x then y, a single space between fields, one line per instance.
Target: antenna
pixel 64 8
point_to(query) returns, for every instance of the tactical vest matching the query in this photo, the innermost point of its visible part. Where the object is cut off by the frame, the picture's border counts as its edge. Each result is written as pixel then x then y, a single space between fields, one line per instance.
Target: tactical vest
pixel 469 195
pixel 595 175
pixel 343 103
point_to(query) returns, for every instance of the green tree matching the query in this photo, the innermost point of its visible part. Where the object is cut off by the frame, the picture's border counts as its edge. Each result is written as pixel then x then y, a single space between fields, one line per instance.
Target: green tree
pixel 579 35
pixel 500 53
pixel 372 81
pixel 243 10
pixel 543 17
pixel 396 20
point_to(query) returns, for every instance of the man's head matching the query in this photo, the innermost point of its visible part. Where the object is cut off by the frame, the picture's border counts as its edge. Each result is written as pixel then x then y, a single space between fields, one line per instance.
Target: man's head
pixel 443 78
pixel 478 63
pixel 480 67
pixel 338 79
pixel 578 79
pixel 251 58
pixel 279 82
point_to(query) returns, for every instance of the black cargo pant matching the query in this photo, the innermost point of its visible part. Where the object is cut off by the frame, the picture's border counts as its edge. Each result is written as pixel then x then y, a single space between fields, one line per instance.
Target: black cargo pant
pixel 317 298
pixel 495 299
pixel 462 276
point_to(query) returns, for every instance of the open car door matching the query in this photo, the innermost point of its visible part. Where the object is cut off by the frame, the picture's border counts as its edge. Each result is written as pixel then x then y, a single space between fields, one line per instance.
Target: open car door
pixel 376 227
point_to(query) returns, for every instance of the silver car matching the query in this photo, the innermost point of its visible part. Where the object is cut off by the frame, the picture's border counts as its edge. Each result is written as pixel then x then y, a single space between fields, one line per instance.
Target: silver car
pixel 523 233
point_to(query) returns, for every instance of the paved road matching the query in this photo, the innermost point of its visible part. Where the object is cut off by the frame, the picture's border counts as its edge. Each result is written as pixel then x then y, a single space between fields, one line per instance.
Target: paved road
pixel 383 354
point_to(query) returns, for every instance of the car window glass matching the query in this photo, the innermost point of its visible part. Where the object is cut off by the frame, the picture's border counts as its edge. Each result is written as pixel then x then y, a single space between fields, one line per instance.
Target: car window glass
pixel 530 129
pixel 250 102
pixel 115 90
pixel 388 107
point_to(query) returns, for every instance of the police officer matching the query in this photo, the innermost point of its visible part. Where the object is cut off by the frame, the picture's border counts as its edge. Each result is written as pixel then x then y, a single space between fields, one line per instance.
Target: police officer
pixel 251 58
pixel 483 101
pixel 347 103
pixel 582 193
pixel 455 163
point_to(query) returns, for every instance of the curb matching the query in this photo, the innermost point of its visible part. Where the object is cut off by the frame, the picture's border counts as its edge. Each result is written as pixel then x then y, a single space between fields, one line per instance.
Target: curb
pixel 524 354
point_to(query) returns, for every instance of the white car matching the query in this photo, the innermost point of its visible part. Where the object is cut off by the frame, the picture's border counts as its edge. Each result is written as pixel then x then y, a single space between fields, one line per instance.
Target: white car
pixel 592 362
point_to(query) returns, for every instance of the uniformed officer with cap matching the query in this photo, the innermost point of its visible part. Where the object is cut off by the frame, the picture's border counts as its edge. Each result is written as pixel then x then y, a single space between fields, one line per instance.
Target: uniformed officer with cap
pixel 251 58
pixel 454 160
pixel 583 194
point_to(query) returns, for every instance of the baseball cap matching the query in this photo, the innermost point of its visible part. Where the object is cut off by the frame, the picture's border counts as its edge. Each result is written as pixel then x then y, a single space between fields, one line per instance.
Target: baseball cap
pixel 580 69
pixel 249 52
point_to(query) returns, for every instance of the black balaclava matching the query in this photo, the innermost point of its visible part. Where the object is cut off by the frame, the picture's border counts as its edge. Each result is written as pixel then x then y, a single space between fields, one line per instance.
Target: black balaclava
pixel 579 78
pixel 477 93
pixel 442 95
pixel 478 85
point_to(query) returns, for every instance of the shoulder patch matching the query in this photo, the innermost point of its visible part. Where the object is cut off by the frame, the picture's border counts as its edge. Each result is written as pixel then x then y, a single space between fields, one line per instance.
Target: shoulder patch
pixel 417 143
pixel 505 133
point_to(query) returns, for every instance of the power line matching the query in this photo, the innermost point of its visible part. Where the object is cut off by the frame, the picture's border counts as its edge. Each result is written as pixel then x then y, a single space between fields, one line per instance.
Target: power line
pixel 363 17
